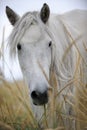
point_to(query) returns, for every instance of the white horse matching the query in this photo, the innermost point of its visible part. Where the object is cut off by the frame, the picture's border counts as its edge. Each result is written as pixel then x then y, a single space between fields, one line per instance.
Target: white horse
pixel 43 40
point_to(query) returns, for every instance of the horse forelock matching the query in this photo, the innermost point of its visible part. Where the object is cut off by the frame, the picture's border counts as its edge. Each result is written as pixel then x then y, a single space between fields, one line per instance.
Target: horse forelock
pixel 19 29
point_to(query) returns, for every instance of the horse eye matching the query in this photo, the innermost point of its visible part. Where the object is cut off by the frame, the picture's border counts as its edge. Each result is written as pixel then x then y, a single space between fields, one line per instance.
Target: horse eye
pixel 19 46
pixel 31 23
pixel 50 43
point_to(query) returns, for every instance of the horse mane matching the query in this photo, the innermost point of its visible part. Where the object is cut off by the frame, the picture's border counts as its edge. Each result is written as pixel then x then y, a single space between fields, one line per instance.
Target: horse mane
pixel 63 67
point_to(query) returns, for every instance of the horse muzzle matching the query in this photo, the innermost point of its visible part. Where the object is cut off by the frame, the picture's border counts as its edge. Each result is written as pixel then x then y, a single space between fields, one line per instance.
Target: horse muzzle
pixel 39 98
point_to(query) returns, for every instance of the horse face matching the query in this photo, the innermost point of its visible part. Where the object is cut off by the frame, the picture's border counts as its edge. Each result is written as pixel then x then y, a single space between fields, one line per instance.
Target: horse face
pixel 34 54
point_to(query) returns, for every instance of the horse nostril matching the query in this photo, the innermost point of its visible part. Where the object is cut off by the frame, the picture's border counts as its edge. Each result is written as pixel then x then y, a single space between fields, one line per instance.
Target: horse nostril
pixel 39 98
pixel 34 94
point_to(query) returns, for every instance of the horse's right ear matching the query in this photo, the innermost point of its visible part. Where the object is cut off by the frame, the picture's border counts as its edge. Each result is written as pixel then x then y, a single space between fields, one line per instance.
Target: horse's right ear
pixel 45 13
pixel 12 16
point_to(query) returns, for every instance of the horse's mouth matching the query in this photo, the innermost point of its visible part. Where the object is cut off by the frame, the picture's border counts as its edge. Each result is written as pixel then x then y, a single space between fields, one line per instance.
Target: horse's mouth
pixel 40 102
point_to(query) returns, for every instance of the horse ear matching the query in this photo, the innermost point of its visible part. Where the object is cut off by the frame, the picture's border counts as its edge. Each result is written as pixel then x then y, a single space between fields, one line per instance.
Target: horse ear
pixel 45 13
pixel 12 16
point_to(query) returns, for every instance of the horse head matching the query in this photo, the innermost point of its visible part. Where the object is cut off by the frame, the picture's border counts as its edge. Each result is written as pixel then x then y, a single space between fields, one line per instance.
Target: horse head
pixel 34 49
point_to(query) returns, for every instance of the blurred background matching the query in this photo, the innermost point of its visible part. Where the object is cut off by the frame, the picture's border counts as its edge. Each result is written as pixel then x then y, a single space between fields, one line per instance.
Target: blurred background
pixel 9 67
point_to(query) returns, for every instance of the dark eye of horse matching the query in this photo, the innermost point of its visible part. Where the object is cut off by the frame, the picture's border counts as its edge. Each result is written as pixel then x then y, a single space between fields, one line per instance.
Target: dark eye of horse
pixel 50 43
pixel 19 46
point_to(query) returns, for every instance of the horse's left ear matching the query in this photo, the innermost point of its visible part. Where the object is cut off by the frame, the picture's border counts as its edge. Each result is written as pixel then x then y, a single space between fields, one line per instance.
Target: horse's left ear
pixel 45 13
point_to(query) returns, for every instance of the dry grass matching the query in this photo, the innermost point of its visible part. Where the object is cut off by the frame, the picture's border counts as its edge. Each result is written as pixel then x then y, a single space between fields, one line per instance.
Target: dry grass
pixel 14 105
pixel 3 126
pixel 16 113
